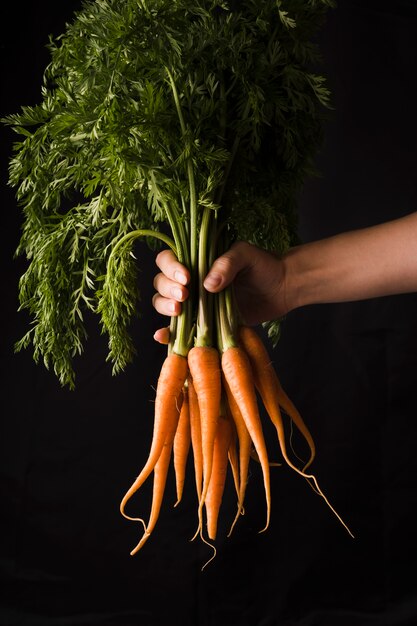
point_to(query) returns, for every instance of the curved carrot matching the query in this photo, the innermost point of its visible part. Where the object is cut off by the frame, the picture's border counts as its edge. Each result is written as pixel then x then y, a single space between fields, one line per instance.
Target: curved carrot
pixel 217 482
pixel 182 441
pixel 160 477
pixel 272 394
pixel 204 366
pixel 195 429
pixel 238 375
pixel 168 401
pixel 271 391
pixel 233 453
pixel 245 445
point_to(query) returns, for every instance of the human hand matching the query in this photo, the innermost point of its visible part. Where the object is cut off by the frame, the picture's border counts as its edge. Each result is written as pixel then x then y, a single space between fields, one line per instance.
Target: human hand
pixel 258 277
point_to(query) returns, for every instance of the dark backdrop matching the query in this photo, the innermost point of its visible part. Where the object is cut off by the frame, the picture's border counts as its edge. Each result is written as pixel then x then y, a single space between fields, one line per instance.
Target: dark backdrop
pixel 68 457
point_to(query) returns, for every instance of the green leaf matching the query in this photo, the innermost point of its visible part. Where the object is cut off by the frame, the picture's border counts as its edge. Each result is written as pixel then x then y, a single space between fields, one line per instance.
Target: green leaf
pixel 150 113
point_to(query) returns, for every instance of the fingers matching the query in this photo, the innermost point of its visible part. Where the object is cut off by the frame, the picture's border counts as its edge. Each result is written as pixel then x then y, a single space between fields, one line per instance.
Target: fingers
pixel 172 268
pixel 162 335
pixel 170 284
pixel 227 266
pixel 169 295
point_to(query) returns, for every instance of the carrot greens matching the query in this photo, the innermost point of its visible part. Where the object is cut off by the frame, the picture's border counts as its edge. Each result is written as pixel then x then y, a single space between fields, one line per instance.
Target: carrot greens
pixel 187 124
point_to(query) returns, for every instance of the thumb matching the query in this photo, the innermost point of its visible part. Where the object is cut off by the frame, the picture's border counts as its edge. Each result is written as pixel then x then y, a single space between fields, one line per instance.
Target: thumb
pixel 226 267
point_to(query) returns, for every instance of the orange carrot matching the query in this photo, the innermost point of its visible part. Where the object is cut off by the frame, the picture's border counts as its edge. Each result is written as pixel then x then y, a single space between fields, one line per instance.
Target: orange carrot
pixel 238 375
pixel 182 442
pixel 167 410
pixel 160 476
pixel 271 391
pixel 245 445
pixel 195 428
pixel 233 453
pixel 217 482
pixel 204 365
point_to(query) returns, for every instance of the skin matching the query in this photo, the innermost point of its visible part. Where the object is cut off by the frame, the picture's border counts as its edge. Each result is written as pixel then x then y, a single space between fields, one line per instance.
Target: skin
pixel 377 261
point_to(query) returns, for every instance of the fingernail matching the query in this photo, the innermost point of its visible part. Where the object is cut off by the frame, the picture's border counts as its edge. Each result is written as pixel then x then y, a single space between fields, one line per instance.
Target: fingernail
pixel 180 277
pixel 212 281
pixel 172 307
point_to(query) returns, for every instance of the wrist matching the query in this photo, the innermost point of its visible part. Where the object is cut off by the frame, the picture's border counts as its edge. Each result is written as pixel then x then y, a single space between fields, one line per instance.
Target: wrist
pixel 300 278
pixel 290 290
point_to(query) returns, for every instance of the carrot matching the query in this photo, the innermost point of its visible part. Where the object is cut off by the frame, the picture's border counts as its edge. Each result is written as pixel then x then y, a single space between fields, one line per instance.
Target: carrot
pixel 217 482
pixel 160 476
pixel 233 453
pixel 245 445
pixel 238 375
pixel 271 393
pixel 195 428
pixel 167 410
pixel 204 365
pixel 182 441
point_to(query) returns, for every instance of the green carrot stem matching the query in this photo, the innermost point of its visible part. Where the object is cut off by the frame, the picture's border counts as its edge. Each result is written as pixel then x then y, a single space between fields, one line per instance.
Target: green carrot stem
pixel 191 181
pixel 205 301
pixel 178 232
pixel 226 324
pixel 182 342
pixel 180 332
pixel 143 232
pixel 172 332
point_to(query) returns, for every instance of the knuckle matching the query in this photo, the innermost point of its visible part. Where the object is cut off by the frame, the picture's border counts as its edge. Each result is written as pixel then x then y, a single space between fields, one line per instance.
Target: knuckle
pixel 224 262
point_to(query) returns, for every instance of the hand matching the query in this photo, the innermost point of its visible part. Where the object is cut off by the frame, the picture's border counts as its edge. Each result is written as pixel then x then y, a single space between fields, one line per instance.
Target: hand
pixel 259 281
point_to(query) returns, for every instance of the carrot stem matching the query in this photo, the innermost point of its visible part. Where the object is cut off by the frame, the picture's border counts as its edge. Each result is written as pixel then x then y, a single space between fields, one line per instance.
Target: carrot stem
pixel 205 299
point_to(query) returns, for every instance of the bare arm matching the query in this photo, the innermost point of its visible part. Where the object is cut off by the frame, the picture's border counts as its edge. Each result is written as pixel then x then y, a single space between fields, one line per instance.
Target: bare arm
pixel 376 261
pixel 356 265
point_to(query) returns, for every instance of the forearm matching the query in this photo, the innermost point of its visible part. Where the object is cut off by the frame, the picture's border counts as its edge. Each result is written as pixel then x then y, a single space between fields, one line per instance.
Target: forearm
pixel 366 263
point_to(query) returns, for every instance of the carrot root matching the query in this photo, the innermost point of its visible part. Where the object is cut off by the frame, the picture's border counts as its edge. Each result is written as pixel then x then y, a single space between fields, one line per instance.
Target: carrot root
pixel 241 390
pixel 190 412
pixel 204 366
pixel 273 395
pixel 182 442
pixel 216 486
pixel 160 477
pixel 167 404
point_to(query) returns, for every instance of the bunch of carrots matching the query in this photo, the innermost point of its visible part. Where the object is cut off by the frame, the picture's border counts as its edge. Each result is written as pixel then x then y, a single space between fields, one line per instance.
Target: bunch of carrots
pixel 207 401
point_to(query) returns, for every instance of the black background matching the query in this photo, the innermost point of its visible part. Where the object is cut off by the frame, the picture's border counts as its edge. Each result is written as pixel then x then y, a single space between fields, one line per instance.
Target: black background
pixel 68 457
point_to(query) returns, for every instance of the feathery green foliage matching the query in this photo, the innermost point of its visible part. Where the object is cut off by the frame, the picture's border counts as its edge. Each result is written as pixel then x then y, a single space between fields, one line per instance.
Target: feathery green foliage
pixel 155 113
